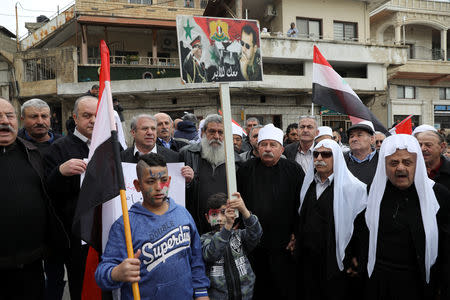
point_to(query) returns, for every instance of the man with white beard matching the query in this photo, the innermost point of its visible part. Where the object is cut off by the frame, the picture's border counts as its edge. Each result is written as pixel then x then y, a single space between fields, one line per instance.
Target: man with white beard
pixel 207 159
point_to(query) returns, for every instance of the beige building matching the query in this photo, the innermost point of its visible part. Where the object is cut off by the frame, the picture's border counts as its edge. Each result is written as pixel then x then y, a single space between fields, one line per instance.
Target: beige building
pixel 421 86
pixel 7 49
pixel 60 60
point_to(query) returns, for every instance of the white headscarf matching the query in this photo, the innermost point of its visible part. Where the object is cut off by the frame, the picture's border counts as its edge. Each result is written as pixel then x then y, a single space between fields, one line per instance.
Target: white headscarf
pixel 427 199
pixel 350 198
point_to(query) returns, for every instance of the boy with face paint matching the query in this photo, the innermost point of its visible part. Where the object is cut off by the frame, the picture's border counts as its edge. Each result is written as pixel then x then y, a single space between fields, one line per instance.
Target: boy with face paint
pixel 225 249
pixel 168 259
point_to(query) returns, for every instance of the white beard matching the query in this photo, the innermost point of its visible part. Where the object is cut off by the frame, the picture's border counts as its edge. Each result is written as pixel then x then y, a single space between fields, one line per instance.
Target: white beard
pixel 214 154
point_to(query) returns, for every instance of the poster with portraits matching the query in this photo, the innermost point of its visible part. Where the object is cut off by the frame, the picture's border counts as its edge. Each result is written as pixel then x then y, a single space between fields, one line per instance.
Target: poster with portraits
pixel 219 49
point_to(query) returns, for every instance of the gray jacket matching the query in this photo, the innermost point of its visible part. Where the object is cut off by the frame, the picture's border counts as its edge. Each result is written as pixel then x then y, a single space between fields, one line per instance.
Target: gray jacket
pixel 227 265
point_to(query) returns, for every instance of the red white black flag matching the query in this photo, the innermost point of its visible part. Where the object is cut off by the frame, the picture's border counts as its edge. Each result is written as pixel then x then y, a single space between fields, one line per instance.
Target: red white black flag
pixel 102 178
pixel 331 91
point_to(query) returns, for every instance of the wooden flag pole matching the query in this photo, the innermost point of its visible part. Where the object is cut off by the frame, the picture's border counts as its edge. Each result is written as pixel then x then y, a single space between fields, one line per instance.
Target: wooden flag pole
pixel 130 252
pixel 123 201
pixel 228 138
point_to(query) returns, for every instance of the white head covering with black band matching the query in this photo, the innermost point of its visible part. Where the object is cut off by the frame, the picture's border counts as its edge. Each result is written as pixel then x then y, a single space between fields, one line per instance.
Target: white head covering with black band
pixel 427 199
pixel 350 197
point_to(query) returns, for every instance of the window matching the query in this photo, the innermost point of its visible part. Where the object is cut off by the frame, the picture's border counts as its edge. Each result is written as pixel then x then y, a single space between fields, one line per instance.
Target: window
pixel 345 31
pixel 444 93
pixel 188 3
pixel 40 69
pixel 406 92
pixel 310 28
pixel 149 2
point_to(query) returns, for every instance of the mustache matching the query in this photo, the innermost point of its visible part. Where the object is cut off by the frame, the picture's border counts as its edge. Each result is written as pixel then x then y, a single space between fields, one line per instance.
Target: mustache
pixel 40 126
pixel 8 128
pixel 164 130
pixel 269 154
pixel 212 141
pixel 401 173
pixel 320 163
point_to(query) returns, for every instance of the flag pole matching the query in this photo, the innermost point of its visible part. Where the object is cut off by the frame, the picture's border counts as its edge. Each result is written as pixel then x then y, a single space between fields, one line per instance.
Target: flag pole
pixel 117 161
pixel 123 201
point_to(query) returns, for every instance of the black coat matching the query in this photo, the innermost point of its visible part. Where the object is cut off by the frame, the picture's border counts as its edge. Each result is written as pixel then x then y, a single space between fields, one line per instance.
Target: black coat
pixel 55 235
pixel 443 175
pixel 175 145
pixel 169 155
pixel 290 151
pixel 440 271
pixel 64 190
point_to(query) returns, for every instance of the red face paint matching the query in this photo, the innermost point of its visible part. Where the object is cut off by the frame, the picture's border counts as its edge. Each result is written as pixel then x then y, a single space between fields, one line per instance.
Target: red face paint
pixel 162 185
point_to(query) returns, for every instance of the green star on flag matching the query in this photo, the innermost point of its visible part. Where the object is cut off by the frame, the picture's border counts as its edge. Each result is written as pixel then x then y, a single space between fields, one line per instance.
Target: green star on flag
pixel 188 30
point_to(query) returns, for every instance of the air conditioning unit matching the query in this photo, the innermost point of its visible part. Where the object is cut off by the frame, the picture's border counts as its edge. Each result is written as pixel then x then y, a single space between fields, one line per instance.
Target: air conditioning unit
pixel 270 11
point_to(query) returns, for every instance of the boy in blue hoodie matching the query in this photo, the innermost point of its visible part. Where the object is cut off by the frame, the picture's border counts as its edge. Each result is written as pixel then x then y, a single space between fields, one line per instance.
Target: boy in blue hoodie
pixel 225 249
pixel 168 260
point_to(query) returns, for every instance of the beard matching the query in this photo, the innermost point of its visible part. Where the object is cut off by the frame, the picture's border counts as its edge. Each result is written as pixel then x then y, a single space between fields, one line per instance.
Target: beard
pixel 212 152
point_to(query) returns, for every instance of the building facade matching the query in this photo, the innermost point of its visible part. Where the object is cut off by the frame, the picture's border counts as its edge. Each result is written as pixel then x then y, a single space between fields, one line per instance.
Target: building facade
pixel 422 85
pixel 60 60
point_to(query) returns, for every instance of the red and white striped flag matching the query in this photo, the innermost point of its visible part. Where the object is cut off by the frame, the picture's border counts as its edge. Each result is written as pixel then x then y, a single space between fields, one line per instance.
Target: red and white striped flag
pixel 331 91
pixel 102 178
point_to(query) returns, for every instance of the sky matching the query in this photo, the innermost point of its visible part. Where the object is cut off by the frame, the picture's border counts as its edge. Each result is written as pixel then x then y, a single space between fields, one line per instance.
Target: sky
pixel 28 10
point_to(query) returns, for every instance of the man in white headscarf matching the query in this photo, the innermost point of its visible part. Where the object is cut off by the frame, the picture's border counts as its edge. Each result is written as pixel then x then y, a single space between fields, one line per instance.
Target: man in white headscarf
pixel 408 218
pixel 330 200
pixel 270 186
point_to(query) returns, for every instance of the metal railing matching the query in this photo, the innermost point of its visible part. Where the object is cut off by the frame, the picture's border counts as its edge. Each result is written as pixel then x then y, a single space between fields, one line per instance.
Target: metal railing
pixel 424 53
pixel 138 61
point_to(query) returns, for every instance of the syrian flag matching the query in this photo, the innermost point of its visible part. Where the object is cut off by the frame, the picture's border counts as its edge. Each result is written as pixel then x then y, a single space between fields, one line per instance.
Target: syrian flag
pixel 101 180
pixel 331 91
pixel 404 127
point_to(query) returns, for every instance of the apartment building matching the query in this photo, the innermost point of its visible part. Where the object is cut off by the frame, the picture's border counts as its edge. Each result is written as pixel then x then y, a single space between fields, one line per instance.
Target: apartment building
pixel 422 85
pixel 7 49
pixel 60 60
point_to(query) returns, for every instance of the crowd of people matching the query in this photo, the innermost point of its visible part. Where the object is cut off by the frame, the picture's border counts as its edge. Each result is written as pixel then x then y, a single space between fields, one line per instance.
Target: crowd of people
pixel 319 213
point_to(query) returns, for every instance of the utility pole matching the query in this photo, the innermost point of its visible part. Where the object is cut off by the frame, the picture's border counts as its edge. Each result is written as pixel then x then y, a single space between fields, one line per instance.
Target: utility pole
pixel 17 30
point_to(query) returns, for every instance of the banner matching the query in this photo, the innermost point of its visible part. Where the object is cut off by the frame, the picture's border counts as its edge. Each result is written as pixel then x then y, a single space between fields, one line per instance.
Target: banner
pixel 219 49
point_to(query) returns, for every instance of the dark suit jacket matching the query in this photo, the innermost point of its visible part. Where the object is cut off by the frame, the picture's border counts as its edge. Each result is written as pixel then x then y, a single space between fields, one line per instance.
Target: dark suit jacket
pixel 290 151
pixel 169 155
pixel 175 145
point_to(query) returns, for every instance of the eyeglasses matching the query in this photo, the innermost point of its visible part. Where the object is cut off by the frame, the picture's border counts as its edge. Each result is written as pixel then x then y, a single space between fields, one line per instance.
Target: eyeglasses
pixel 244 44
pixel 324 154
pixel 378 142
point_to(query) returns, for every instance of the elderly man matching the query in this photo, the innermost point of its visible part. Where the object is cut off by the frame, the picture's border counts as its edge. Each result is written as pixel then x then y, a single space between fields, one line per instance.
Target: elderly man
pixel 362 158
pixel 379 138
pixel 207 159
pixel 143 130
pixel 165 130
pixel 330 200
pixel 27 215
pixel 301 152
pixel 433 146
pixel 35 115
pixel 253 139
pixel 270 187
pixel 408 218
pixel 64 163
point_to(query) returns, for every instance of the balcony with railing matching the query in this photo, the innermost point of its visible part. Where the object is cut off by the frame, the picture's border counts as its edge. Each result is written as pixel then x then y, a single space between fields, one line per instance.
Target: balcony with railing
pixel 424 53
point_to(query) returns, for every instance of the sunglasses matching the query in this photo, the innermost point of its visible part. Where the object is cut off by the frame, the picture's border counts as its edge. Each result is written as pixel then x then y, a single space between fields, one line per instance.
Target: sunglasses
pixel 324 154
pixel 243 44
